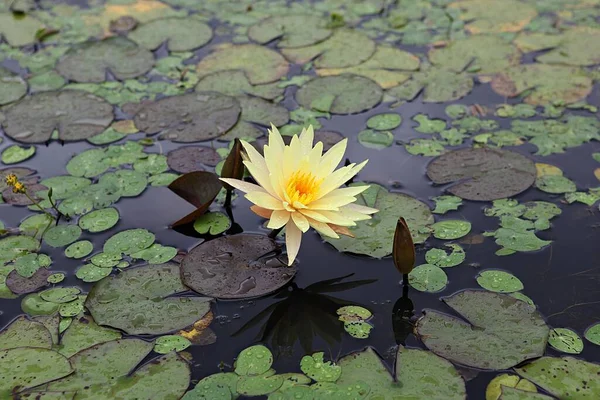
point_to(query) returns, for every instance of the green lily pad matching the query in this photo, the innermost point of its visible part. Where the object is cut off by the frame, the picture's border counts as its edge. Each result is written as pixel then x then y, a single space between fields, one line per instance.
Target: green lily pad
pixel 375 236
pixel 5 292
pixel 166 344
pixel 63 186
pixel 259 385
pixel 153 164
pixel 428 278
pixel 19 31
pixel 543 84
pixel 427 125
pixel 499 281
pixel 497 385
pixel 106 260
pixel 36 224
pixel 181 34
pixel 79 249
pixel 502 207
pixel 73 308
pixel 555 375
pixel 33 304
pixel 112 185
pixel 99 220
pixel 156 254
pixel 56 277
pixel 384 122
pixel 319 370
pixel 214 223
pixel 37 366
pixel 260 64
pixel 519 239
pixel 88 164
pixel 426 147
pixel 555 184
pixel 223 379
pixel 235 267
pixel 358 329
pixel 60 294
pixel 456 111
pixel 565 340
pixel 129 241
pixel 235 83
pixel 342 94
pixel 83 333
pixel 417 372
pixel 13 247
pixel 23 332
pixel 345 48
pixel 62 235
pixel 164 179
pixel 496 332
pixel 263 112
pixel 483 174
pixel 26 265
pixel 140 301
pixel 440 258
pixel 89 61
pixel 253 361
pixel 92 273
pixel 593 334
pixel 16 154
pixel 353 313
pixel 290 30
pixel 208 115
pixel 451 229
pixel 208 392
pixel 437 84
pixel 483 17
pixel 377 140
pixel 75 205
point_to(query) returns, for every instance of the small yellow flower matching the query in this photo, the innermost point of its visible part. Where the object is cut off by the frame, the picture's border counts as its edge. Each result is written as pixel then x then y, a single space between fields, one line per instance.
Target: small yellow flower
pixel 300 188
pixel 11 179
pixel 18 188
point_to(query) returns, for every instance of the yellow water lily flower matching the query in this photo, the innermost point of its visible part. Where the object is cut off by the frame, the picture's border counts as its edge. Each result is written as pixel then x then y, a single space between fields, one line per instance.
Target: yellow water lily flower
pixel 299 187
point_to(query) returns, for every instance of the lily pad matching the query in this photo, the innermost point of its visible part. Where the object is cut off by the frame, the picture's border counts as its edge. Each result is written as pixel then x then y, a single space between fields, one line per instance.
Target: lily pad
pixel 79 249
pixel 497 332
pixel 253 361
pixel 235 267
pixel 181 34
pixel 375 236
pixel 451 229
pixel 37 366
pixel 129 241
pixel 192 158
pixel 358 329
pixel 156 254
pixel 16 154
pixel 90 61
pixel 593 334
pixel 33 304
pixel 62 235
pixel 482 16
pixel 565 340
pixel 555 375
pixel 83 333
pixel 260 64
pixel 214 223
pixel 166 344
pixel 343 94
pixel 499 281
pixel 440 258
pixel 23 332
pixel 290 30
pixel 13 247
pixel 191 117
pixel 384 122
pixel 60 294
pixel 543 83
pixel 198 188
pixel 437 84
pixel 140 301
pixel 26 265
pixel 377 140
pixel 235 83
pixel 260 385
pixel 483 174
pixel 555 184
pixel 353 313
pixel 112 185
pixel 427 125
pixel 446 203
pixel 428 278
pixel 19 31
pixel 75 115
pixel 92 273
pixel 497 385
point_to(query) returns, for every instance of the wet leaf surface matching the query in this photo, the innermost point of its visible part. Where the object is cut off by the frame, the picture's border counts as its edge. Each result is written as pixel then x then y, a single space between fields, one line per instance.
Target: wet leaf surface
pixel 180 34
pixel 236 267
pixel 192 158
pixel 23 332
pixel 497 332
pixel 565 340
pixel 19 284
pixel 428 278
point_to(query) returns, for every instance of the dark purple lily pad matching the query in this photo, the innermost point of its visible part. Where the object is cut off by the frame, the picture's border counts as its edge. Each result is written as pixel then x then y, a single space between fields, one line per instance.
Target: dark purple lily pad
pixel 192 117
pixel 74 114
pixel 236 267
pixel 20 285
pixel 192 158
pixel 483 174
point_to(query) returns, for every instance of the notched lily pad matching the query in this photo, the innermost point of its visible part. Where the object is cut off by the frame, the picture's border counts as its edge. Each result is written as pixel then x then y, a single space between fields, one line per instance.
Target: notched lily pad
pixel 236 267
pixel 253 361
pixel 90 61
pixel 181 34
pixel 483 174
pixel 75 115
pixel 290 30
pixel 192 117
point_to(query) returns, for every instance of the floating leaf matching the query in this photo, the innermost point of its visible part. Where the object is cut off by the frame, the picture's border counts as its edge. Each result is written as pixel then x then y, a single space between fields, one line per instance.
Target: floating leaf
pixel 33 304
pixel 88 164
pixel 358 329
pixel 427 125
pixel 166 344
pixel 555 375
pixel 197 188
pixel 565 340
pixel 60 294
pixel 497 332
pixel 259 385
pixel 192 158
pixel 129 241
pixel 428 278
pixel 153 164
pixel 290 30
pixel 260 64
pixel 79 249
pixel 440 258
pixel 124 182
pixel 84 333
pixel 92 273
pixel 181 34
pixel 156 254
pixel 207 116
pixel 496 386
pixel 19 284
pixel 13 247
pixel 89 61
pixel 443 204
pixel 234 267
pixel 26 265
pixel 253 361
pixel 56 277
pixel 16 154
pixel 72 308
pixel 593 334
pixel 377 140
pixel 375 237
pixel 343 94
pixel 384 122
pixel 555 184
pixel 214 223
pixel 137 301
pixel 23 332
pixel 437 84
pixel 481 16
pixel 208 392
pixel 62 235
pixel 483 174
pixel 499 281
pixel 19 31
pixel 353 313
pixel 235 83
pixel 426 147
pixel 451 229
pixel 509 393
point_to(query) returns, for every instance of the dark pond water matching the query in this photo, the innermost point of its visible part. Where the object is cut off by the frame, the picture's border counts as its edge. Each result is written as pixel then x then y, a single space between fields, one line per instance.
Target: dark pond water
pixel 563 278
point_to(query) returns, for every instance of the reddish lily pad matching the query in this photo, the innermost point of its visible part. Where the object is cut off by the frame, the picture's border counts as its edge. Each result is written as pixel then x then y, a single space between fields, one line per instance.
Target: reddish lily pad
pixel 192 158
pixel 21 285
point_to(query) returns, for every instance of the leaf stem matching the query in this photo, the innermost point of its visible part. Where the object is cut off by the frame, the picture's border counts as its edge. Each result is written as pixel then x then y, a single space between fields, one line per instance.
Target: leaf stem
pixel 273 234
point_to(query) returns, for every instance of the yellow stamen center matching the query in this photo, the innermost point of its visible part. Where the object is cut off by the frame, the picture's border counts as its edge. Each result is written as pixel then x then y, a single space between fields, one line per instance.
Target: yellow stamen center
pixel 302 187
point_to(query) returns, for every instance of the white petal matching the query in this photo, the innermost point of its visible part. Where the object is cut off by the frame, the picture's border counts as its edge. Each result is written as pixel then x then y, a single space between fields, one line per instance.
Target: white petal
pixel 265 200
pixel 245 187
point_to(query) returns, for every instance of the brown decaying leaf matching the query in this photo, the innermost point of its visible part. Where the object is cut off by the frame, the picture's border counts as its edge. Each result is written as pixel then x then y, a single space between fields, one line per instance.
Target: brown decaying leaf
pixel 198 188
pixel 196 332
pixel 234 165
pixel 404 249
